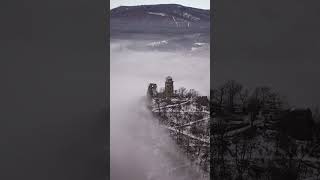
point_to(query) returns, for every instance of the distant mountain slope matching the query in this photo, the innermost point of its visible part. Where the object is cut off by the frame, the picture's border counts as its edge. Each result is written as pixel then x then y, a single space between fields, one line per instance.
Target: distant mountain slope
pixel 163 18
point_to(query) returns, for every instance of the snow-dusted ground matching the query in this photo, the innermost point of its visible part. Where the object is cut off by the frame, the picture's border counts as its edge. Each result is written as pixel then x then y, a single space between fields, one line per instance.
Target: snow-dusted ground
pixel 180 122
pixel 188 134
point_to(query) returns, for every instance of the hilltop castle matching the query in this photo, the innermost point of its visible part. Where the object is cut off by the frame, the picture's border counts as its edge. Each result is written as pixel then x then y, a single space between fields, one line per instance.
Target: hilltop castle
pixel 168 89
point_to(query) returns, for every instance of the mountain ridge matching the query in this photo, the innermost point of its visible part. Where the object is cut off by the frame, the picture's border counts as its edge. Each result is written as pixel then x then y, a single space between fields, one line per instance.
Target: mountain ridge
pixel 169 4
pixel 160 18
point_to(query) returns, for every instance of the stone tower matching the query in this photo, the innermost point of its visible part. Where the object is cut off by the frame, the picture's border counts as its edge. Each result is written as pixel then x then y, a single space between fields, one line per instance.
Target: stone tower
pixel 168 89
pixel 152 90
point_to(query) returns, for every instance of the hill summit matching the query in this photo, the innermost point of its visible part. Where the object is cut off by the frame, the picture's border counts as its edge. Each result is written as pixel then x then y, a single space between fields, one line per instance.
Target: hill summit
pixel 162 18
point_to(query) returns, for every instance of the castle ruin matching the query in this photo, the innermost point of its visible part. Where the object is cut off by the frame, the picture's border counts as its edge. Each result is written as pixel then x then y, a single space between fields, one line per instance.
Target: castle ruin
pixel 152 90
pixel 168 88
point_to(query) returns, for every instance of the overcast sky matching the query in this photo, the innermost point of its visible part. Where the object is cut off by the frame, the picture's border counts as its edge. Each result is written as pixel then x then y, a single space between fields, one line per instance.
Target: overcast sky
pixel 203 4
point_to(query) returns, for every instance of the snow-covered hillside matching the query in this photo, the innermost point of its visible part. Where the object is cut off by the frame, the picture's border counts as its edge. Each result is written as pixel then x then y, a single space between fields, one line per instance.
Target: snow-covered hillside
pixel 162 18
pixel 187 121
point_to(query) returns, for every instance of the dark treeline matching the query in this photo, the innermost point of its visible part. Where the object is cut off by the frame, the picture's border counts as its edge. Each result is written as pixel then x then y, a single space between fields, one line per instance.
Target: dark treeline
pixel 256 134
pixel 233 97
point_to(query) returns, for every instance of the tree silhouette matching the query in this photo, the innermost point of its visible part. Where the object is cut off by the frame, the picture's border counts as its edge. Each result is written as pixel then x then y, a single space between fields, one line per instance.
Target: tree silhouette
pixel 233 89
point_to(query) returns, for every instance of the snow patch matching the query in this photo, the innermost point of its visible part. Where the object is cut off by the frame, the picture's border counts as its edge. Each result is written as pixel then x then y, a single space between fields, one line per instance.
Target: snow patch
pixel 189 16
pixel 158 43
pixel 157 14
pixel 200 44
pixel 175 21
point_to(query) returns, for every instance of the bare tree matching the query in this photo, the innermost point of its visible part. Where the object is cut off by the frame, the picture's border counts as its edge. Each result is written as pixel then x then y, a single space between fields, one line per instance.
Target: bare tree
pixel 262 95
pixel 218 96
pixel 233 89
pixel 242 156
pixel 244 95
pixel 182 92
pixel 218 149
pixel 192 93
pixel 267 98
pixel 253 109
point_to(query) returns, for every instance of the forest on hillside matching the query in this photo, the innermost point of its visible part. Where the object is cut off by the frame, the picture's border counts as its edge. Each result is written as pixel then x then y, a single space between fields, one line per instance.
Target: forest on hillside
pixel 256 134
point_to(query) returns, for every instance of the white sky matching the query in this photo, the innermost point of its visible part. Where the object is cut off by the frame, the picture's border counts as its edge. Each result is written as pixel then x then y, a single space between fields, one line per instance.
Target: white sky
pixel 202 4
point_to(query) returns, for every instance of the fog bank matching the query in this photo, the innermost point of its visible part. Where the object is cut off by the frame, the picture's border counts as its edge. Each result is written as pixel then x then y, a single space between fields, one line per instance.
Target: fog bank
pixel 140 149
